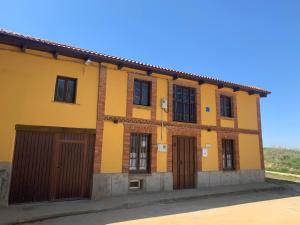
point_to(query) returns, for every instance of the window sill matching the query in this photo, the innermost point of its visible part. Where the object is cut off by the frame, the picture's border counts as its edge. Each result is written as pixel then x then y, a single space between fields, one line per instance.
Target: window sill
pixel 184 122
pixel 65 103
pixel 142 106
pixel 226 118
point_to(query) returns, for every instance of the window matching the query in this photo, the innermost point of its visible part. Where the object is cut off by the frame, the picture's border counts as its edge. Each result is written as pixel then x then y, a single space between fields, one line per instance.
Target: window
pixel 226 106
pixel 139 153
pixel 65 90
pixel 184 104
pixel 228 158
pixel 141 92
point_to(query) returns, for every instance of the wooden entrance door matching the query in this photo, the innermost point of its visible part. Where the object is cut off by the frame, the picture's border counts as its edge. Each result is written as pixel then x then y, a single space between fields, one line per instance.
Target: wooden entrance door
pixel 51 165
pixel 184 155
pixel 74 165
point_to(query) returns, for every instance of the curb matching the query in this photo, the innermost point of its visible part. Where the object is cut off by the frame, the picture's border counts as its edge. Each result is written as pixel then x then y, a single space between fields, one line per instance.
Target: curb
pixel 283 174
pixel 142 204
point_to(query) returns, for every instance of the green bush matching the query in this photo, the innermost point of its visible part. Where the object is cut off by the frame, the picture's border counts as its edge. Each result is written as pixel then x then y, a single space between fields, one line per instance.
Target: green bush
pixel 282 160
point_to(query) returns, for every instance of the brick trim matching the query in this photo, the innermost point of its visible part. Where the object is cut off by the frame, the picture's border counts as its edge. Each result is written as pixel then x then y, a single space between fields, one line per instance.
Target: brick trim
pixel 177 124
pixel 172 131
pixel 233 107
pixel 261 149
pixel 130 89
pixel 100 118
pixel 139 128
pixel 170 101
pixel 236 155
pixel 170 98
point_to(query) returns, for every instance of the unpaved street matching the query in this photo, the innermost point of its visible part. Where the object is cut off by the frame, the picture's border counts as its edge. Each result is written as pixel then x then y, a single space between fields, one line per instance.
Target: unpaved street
pixel 272 207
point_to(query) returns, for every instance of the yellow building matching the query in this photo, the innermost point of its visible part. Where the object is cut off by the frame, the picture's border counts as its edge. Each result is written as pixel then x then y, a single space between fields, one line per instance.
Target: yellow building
pixel 79 124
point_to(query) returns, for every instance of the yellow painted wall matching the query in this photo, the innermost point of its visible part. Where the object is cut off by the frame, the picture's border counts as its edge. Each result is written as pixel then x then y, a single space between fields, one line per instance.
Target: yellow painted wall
pixel 247 110
pixel 27 86
pixel 112 148
pixel 162 92
pixel 210 163
pixel 227 90
pixel 227 123
pixel 116 92
pixel 141 113
pixel 162 156
pixel 208 99
pixel 249 151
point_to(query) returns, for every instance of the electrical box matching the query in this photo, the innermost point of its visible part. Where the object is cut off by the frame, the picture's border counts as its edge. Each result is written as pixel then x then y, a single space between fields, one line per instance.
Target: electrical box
pixel 162 147
pixel 164 103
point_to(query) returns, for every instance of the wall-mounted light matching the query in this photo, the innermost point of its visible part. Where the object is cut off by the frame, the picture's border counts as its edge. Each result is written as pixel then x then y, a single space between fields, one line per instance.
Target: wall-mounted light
pixel 88 62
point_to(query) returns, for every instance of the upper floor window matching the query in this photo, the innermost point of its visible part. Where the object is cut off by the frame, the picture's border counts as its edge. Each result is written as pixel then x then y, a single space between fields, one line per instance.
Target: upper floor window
pixel 142 91
pixel 227 152
pixel 226 106
pixel 139 153
pixel 65 90
pixel 184 104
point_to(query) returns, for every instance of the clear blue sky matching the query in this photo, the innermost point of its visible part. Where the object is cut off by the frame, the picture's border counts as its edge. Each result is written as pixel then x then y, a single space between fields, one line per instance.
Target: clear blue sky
pixel 253 42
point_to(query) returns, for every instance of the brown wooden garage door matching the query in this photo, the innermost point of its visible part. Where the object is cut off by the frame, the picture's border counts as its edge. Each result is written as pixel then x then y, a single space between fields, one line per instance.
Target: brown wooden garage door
pixel 184 155
pixel 51 164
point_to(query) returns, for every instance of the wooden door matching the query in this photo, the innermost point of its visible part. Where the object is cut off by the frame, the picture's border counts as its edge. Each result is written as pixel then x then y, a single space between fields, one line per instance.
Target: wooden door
pixel 31 168
pixel 184 155
pixel 74 156
pixel 51 165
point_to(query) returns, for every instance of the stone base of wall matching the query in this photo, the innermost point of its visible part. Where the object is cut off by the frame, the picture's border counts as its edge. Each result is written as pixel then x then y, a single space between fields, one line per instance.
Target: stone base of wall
pixel 5 172
pixel 111 184
pixel 217 178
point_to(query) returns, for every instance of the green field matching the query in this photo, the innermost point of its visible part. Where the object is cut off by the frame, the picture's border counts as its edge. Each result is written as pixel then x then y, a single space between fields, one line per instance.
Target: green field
pixel 282 160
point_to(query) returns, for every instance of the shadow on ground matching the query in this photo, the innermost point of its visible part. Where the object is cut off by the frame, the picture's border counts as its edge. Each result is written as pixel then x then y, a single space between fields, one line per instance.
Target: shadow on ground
pixel 290 189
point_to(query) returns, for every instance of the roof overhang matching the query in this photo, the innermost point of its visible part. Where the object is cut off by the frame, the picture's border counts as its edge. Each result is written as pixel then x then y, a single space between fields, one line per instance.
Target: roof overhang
pixel 27 42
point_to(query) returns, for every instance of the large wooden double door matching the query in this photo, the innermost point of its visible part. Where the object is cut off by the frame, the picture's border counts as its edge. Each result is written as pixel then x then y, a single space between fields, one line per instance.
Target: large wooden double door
pixel 184 166
pixel 51 165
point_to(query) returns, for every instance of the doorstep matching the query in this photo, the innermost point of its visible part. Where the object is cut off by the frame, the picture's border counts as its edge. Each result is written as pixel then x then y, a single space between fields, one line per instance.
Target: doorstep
pixel 24 213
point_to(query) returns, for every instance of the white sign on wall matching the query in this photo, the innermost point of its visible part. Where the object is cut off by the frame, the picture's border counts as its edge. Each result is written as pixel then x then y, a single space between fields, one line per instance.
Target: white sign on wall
pixel 205 152
pixel 162 147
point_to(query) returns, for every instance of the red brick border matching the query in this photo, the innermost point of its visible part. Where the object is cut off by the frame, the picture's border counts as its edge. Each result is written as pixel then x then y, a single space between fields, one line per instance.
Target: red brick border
pixel 261 149
pixel 173 128
pixel 178 124
pixel 170 99
pixel 175 131
pixel 139 128
pixel 236 155
pixel 100 118
pixel 233 107
pixel 130 87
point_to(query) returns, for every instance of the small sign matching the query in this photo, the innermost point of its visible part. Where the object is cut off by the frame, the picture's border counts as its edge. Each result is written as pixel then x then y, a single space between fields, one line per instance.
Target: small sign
pixel 205 152
pixel 207 109
pixel 162 147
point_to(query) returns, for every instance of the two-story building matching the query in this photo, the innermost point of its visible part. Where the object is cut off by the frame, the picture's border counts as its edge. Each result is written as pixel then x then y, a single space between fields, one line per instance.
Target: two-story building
pixel 80 124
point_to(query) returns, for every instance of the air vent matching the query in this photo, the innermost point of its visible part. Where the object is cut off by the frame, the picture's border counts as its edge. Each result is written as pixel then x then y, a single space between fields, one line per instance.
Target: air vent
pixel 135 184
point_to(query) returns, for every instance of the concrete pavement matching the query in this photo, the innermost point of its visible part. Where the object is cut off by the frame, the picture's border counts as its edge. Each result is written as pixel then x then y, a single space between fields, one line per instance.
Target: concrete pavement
pixel 41 211
pixel 248 208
